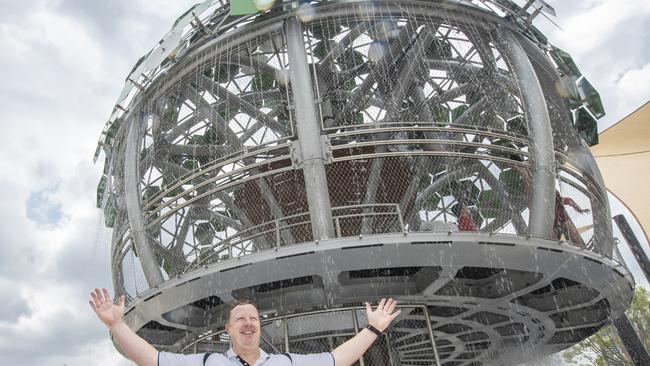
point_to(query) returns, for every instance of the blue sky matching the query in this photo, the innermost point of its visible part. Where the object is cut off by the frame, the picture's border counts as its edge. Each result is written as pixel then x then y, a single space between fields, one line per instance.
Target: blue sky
pixel 62 67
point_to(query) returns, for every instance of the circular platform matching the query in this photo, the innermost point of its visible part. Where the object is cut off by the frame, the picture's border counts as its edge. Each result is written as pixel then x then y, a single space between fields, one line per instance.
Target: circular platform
pixel 487 297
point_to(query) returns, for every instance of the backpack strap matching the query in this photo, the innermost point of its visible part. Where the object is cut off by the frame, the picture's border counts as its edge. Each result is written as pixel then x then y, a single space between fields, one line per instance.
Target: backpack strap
pixel 205 357
pixel 289 356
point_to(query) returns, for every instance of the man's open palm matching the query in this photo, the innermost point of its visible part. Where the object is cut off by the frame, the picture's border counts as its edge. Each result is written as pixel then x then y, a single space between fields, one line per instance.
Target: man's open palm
pixel 383 315
pixel 108 312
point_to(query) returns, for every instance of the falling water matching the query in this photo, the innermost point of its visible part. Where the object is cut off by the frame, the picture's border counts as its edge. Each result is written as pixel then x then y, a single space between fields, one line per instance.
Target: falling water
pixel 317 155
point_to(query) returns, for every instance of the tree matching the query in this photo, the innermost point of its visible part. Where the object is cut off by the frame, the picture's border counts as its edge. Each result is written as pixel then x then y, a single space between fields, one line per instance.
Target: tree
pixel 605 347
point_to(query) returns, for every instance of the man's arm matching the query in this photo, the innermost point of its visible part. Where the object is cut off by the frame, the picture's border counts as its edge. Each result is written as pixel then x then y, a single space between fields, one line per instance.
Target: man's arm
pixel 135 348
pixel 567 201
pixel 350 351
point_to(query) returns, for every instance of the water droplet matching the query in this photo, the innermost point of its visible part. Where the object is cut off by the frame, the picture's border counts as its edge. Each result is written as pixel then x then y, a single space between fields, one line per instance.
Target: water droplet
pixel 306 13
pixel 377 51
pixel 263 5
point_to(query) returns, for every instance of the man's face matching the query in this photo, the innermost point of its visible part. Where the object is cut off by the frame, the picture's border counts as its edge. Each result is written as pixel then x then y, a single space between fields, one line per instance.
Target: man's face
pixel 244 327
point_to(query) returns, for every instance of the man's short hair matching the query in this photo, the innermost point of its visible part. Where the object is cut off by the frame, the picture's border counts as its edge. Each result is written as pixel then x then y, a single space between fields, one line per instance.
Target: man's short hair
pixel 238 302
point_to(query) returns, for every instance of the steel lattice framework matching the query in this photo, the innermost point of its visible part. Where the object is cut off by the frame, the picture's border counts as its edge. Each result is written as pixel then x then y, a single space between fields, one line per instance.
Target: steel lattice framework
pixel 315 155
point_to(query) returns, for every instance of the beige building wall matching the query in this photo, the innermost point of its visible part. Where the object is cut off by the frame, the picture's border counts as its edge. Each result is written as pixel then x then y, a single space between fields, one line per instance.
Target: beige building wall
pixel 623 156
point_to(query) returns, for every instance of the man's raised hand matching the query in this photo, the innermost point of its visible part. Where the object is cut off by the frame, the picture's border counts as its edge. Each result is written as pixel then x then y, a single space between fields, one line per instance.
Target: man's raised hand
pixel 383 315
pixel 109 313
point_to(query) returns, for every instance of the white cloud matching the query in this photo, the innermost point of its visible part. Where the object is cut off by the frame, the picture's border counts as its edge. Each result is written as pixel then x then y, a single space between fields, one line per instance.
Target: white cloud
pixel 60 80
pixel 43 210
pixel 14 304
pixel 607 40
pixel 632 84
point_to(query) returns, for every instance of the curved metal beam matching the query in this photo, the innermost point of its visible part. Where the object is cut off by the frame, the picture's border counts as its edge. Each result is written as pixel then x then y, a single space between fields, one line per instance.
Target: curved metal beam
pixel 542 201
pixel 141 239
pixel 308 128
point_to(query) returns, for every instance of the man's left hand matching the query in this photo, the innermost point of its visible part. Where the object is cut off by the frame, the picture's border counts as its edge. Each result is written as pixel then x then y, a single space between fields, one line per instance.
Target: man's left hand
pixel 383 315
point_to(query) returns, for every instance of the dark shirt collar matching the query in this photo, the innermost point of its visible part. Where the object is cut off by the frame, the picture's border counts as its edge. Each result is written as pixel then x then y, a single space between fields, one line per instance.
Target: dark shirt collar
pixel 230 354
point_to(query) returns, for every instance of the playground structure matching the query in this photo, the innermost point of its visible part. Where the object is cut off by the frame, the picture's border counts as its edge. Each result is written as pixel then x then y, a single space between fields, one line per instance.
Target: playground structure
pixel 313 156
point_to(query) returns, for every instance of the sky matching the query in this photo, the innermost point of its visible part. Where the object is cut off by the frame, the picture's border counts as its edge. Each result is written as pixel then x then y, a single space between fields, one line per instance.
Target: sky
pixel 62 66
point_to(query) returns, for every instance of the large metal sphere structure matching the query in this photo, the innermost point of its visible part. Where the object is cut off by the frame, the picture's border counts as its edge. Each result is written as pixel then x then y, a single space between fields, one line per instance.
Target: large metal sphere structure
pixel 314 156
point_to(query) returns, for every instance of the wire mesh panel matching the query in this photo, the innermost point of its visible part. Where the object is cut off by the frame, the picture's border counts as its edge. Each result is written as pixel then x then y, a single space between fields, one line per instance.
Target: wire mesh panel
pixel 198 184
pixel 435 90
pixel 426 129
pixel 382 148
pixel 408 342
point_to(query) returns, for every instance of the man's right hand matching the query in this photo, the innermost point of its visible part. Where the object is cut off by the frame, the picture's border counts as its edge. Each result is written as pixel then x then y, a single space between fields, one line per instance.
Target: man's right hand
pixel 133 346
pixel 109 313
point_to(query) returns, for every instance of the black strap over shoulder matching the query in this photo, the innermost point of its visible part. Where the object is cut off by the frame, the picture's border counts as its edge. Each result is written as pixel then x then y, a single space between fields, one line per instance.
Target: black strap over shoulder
pixel 289 356
pixel 205 357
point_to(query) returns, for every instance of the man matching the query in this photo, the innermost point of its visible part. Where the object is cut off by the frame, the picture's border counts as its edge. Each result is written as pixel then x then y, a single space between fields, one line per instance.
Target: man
pixel 244 328
pixel 464 218
pixel 563 225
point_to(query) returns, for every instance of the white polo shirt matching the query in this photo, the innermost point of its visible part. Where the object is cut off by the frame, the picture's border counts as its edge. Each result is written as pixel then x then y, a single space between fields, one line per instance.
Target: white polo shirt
pixel 230 359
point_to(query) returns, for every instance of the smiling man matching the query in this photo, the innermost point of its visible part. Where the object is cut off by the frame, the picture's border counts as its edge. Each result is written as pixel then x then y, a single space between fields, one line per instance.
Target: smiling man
pixel 244 328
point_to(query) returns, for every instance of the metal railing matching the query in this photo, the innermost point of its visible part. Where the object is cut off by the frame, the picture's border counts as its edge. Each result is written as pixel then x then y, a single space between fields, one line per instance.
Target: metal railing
pixel 312 332
pixel 269 235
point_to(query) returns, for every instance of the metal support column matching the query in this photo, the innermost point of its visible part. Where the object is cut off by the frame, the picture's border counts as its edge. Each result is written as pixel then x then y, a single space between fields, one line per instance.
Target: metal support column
pixel 309 137
pixel 631 341
pixel 355 320
pixel 141 239
pixel 541 139
pixel 603 237
pixel 431 335
pixel 286 334
pixel 634 244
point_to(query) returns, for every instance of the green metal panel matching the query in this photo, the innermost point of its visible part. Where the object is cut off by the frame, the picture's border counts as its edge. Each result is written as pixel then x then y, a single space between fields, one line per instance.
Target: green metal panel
pixel 243 7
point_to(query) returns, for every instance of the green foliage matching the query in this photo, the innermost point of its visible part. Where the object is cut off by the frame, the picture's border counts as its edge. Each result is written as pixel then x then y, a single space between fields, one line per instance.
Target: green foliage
pixel 440 114
pixel 227 113
pixel 425 181
pixel 489 204
pixel 224 72
pixel 432 202
pixel 168 267
pixel 204 233
pixel 464 191
pixel 169 118
pixel 565 63
pixel 112 130
pixel 322 49
pixel 512 180
pixel 350 59
pixel 457 112
pixel 324 29
pixel 517 125
pixel 586 126
pixel 262 82
pixel 433 199
pixel 101 188
pixel 190 164
pixel 439 49
pixel 110 212
pixel 172 192
pixel 591 98
pixel 203 229
pixel 357 118
pixel 150 192
pixel 209 138
pixel 605 347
